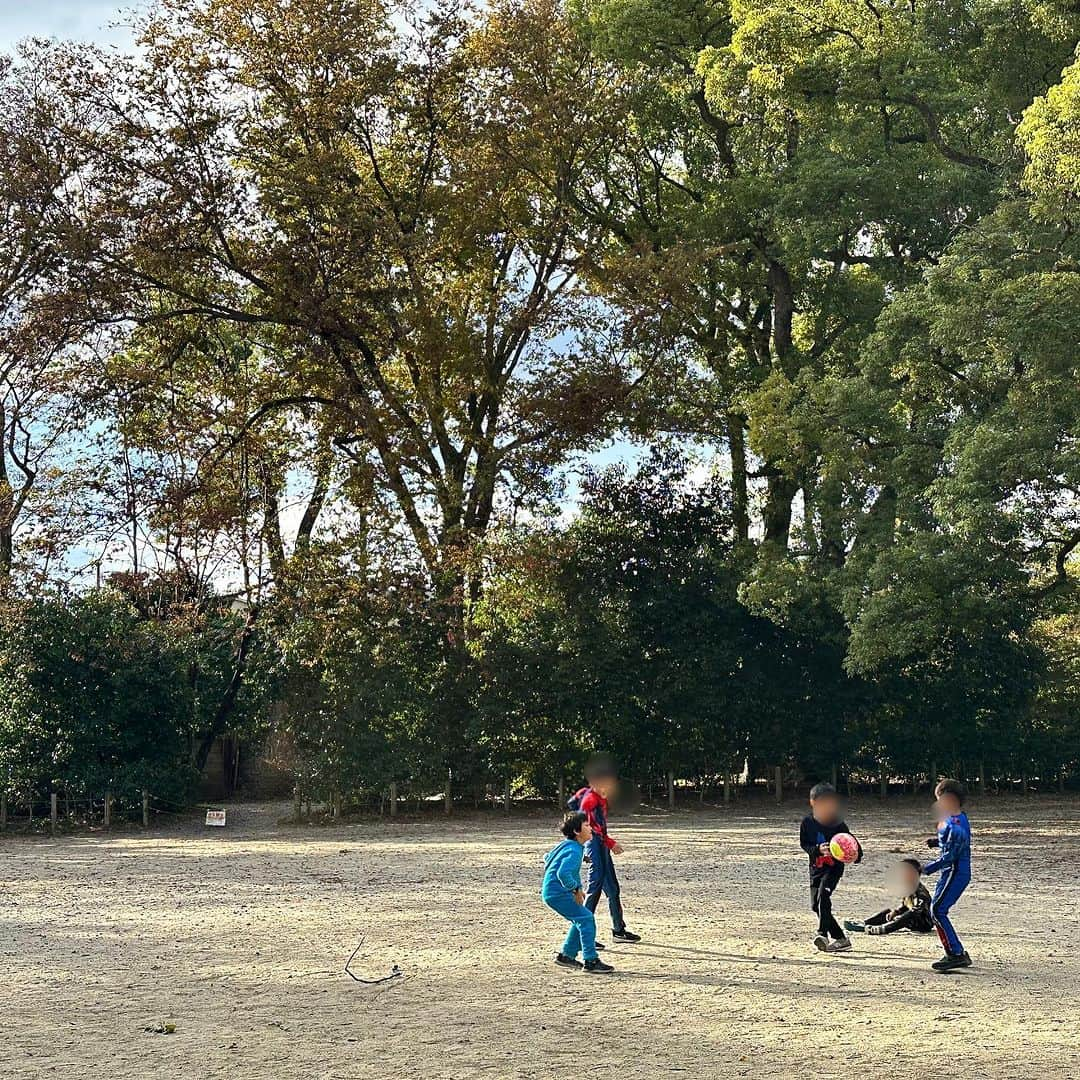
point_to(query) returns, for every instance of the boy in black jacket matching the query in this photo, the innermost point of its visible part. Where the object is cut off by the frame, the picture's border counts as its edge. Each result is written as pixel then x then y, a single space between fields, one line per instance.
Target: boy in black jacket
pixel 818 828
pixel 912 910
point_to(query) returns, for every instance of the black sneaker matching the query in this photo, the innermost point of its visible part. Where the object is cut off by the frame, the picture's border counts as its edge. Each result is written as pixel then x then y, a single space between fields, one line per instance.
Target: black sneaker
pixel 854 927
pixel 625 935
pixel 952 962
pixel 566 961
pixel 600 946
pixel 597 967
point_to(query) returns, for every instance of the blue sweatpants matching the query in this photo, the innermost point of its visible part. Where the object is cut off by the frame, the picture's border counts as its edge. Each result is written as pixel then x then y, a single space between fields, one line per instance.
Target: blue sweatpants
pixel 602 878
pixel 953 881
pixel 582 936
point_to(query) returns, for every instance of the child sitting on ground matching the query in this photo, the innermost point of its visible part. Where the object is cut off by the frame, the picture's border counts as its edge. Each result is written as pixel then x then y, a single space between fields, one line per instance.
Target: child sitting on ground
pixel 912 909
pixel 561 891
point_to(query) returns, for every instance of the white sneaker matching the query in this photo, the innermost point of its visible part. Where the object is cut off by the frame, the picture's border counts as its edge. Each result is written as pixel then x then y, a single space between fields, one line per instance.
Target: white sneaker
pixel 821 942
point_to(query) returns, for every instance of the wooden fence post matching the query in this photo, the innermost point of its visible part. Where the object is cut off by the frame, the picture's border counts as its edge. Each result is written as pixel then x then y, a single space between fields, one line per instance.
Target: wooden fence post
pixel 393 798
pixel 52 813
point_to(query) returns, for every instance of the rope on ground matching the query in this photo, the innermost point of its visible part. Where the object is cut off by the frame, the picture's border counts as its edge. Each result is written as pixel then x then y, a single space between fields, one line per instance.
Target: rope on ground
pixel 395 971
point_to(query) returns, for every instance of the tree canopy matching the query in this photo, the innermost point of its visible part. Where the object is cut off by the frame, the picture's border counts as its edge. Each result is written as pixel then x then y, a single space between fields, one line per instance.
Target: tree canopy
pixel 312 314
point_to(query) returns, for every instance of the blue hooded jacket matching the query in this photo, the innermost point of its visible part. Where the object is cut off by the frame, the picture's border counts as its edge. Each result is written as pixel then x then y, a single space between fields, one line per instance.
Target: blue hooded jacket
pixel 562 869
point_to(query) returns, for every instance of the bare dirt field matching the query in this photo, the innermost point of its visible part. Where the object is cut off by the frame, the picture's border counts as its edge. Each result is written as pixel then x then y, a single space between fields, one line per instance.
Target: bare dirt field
pixel 239 937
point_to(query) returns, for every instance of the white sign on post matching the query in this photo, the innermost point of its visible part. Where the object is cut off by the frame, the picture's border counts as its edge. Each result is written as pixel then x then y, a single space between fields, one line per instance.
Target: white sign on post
pixel 216 817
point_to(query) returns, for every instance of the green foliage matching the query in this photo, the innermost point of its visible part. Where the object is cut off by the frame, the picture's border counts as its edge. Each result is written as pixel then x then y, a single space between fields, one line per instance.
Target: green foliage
pixel 95 698
pixel 415 265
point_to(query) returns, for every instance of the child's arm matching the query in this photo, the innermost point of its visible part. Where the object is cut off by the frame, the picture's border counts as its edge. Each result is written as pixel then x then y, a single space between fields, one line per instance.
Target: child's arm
pixel 947 856
pixel 568 870
pixel 808 839
pixel 593 808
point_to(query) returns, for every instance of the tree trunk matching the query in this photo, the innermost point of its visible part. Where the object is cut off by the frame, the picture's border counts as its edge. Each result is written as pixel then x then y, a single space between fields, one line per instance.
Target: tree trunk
pixel 393 798
pixel 779 785
pixel 228 700
pixel 671 790
pixel 561 796
pixel 506 796
pixel 727 789
pixel 740 497
pixel 780 492
pixel 448 794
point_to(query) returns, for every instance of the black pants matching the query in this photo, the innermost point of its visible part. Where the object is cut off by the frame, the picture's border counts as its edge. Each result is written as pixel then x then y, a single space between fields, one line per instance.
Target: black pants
pixel 915 919
pixel 821 889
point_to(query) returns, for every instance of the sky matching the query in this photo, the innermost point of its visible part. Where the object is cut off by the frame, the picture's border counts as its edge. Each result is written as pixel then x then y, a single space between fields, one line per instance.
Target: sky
pixel 84 20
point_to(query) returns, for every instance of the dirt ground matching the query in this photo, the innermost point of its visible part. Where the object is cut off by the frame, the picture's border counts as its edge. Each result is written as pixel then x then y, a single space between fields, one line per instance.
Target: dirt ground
pixel 238 937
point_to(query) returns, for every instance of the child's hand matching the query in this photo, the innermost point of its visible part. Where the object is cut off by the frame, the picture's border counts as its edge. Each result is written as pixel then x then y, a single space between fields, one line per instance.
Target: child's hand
pixel 616 848
pixel 579 896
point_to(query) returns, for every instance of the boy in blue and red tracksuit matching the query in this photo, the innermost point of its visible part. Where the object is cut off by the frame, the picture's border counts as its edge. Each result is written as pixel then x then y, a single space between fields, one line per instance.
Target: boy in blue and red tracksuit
pixel 954 861
pixel 593 802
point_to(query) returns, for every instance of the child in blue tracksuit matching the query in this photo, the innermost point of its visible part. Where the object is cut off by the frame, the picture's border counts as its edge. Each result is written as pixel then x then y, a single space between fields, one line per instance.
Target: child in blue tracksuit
pixel 954 862
pixel 561 891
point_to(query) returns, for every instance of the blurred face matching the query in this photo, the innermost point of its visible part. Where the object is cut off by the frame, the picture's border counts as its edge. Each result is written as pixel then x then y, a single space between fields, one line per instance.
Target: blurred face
pixel 826 809
pixel 947 804
pixel 605 786
pixel 909 878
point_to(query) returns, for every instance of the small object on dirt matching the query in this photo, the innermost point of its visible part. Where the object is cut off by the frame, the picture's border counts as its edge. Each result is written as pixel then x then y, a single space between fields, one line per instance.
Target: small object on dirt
pixel 395 971
pixel 161 1028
